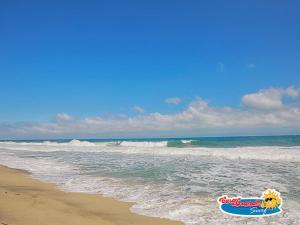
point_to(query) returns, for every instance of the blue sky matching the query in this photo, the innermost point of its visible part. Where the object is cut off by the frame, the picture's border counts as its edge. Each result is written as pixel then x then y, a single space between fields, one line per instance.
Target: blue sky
pixel 90 59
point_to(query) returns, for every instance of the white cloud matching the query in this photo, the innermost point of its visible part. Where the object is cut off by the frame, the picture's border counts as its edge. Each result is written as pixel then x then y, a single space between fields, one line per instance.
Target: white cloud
pixel 292 92
pixel 251 65
pixel 173 101
pixel 63 117
pixel 264 99
pixel 138 109
pixel 198 118
pixel 267 99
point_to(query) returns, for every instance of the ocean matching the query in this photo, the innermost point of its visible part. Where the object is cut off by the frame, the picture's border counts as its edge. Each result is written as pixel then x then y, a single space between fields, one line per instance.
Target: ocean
pixel 176 178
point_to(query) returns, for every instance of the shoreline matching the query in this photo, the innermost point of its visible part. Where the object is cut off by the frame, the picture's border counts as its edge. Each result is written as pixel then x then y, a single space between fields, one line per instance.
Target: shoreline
pixel 28 201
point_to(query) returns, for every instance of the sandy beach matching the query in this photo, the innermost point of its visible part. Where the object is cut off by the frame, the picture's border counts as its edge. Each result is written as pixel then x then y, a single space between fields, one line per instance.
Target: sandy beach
pixel 26 201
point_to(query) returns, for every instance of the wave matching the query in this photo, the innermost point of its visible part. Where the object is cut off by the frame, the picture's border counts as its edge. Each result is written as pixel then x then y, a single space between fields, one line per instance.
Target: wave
pixel 177 199
pixel 146 144
pixel 271 153
pixel 209 142
pixel 186 141
pixel 80 143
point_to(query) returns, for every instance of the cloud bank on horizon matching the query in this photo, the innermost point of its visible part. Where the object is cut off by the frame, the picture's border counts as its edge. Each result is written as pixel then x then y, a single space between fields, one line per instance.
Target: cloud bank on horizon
pixel 271 111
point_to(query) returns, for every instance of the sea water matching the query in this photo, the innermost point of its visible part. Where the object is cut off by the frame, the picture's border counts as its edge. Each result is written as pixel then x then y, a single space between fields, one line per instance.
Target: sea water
pixel 179 179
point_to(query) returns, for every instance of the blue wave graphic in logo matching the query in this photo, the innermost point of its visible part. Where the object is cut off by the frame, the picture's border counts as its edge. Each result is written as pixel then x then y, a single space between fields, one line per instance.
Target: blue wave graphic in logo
pixel 269 204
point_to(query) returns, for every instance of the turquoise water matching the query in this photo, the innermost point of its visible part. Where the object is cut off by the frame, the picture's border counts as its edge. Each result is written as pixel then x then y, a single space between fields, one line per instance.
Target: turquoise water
pixel 213 142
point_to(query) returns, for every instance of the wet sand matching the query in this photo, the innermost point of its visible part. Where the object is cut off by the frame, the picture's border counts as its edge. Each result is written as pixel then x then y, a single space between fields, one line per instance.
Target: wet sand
pixel 27 201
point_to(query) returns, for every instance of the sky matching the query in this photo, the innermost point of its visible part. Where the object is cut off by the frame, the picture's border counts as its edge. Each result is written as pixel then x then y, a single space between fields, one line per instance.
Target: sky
pixel 103 69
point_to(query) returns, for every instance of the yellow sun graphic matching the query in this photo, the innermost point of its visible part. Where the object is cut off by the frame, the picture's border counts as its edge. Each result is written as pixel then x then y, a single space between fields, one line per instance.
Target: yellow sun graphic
pixel 271 199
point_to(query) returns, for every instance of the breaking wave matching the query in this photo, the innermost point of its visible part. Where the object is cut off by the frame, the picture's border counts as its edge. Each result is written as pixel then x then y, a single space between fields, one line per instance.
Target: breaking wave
pixel 180 182
pixel 273 153
pixel 146 144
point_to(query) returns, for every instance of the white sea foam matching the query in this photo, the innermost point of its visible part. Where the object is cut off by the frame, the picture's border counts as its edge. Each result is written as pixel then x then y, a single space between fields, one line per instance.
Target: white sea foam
pixel 144 144
pixel 46 170
pixel 273 153
pixel 73 142
pixel 78 143
pixel 186 141
pixel 187 191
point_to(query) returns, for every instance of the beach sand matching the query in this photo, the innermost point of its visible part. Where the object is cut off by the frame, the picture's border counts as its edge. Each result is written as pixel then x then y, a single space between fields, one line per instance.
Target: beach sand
pixel 26 201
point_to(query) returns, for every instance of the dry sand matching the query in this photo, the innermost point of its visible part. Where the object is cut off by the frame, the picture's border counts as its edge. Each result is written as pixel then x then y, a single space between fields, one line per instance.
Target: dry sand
pixel 26 201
